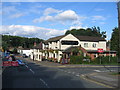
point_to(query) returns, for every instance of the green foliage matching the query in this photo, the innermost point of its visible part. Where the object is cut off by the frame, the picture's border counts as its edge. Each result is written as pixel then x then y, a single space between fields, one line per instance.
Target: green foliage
pixel 76 59
pixel 15 51
pixel 87 60
pixel 43 51
pixel 75 50
pixel 105 60
pixel 50 59
pixel 51 51
pixel 115 40
pixel 94 31
pixel 15 41
pixel 5 45
pixel 56 51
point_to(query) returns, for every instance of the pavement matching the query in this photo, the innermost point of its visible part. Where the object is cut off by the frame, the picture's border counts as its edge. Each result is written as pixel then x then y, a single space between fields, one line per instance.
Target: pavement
pixel 103 78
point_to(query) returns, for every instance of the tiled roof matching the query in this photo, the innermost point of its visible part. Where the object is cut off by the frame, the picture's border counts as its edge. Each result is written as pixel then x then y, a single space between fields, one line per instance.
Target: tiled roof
pixel 89 38
pixel 54 39
pixel 81 38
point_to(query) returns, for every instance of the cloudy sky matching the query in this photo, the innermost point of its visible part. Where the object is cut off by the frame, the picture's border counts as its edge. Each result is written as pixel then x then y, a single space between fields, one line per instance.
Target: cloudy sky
pixel 49 19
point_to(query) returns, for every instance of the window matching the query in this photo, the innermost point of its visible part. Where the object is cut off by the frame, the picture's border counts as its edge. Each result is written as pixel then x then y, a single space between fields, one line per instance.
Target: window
pixel 48 54
pixel 54 55
pixel 39 56
pixel 95 56
pixel 69 42
pixel 94 45
pixel 85 44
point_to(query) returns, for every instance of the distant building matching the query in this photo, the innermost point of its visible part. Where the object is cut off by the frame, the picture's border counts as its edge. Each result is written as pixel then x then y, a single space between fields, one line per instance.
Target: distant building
pixel 22 51
pixel 62 47
pixel 36 53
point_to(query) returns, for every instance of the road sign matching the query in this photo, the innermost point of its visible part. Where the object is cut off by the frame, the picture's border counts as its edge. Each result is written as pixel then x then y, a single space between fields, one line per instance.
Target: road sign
pixel 14 63
pixel 6 63
pixel 100 50
pixel 10 63
pixel 20 62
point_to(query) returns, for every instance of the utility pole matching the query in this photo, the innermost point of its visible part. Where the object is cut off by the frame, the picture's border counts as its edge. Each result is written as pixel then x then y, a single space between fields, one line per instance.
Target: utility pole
pixel 118 7
pixel 109 50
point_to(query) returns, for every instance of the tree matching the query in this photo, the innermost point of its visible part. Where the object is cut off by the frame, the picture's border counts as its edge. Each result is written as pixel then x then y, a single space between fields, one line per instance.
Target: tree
pixel 115 40
pixel 94 31
pixel 15 51
pixel 15 41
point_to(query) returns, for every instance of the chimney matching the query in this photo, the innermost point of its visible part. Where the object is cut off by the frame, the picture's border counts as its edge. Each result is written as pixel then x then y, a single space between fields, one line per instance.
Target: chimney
pixel 34 43
pixel 41 46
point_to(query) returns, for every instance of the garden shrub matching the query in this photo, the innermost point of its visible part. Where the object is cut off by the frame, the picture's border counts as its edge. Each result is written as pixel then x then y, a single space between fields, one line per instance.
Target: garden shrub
pixel 105 60
pixel 76 59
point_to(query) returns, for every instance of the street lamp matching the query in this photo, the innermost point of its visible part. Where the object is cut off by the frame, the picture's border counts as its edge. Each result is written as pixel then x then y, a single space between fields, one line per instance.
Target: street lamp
pixel 109 51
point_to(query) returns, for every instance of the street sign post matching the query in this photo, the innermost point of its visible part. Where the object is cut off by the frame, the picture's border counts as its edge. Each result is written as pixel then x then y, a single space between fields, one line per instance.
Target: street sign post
pixel 100 50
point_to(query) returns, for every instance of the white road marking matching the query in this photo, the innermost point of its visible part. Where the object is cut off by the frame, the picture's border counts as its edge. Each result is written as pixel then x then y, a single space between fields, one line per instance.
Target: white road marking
pixel 44 83
pixel 97 70
pixel 83 75
pixel 77 75
pixel 104 71
pixel 65 71
pixel 68 72
pixel 40 78
pixel 32 71
pixel 26 66
pixel 109 70
pixel 73 72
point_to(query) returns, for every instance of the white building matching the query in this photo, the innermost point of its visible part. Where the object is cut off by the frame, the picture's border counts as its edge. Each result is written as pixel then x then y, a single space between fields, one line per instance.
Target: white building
pixel 25 51
pixel 54 48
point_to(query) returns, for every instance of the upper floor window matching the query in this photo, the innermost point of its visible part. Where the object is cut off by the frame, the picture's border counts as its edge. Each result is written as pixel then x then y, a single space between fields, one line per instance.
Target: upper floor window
pixel 85 44
pixel 94 45
pixel 69 42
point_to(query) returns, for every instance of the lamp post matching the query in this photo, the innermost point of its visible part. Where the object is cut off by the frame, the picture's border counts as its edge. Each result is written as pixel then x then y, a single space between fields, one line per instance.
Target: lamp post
pixel 118 7
pixel 109 51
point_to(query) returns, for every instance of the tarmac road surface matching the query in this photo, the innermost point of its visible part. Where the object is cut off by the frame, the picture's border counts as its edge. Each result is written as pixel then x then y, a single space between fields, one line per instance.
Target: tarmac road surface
pixel 33 75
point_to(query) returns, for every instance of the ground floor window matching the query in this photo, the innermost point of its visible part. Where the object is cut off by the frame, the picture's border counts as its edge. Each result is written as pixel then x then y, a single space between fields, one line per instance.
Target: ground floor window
pixel 39 56
pixel 54 55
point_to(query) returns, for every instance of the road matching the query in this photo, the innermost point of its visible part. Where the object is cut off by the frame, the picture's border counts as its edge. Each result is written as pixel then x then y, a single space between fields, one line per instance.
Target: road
pixel 38 76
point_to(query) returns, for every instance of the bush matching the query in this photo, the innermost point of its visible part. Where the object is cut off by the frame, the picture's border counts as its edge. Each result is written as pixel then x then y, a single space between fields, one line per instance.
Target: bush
pixel 76 59
pixel 86 60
